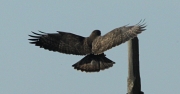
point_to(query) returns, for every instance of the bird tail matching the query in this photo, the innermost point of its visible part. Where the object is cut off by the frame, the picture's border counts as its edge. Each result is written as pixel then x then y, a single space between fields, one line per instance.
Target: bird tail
pixel 93 63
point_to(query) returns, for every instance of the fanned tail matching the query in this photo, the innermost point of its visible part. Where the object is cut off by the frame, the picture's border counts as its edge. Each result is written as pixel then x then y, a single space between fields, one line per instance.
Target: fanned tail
pixel 93 63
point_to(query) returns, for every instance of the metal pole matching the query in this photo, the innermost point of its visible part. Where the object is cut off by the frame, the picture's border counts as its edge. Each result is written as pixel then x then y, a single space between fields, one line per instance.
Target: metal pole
pixel 134 80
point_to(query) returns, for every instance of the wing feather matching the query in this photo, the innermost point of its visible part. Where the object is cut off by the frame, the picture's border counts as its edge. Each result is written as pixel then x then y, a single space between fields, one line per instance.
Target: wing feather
pixel 116 37
pixel 63 42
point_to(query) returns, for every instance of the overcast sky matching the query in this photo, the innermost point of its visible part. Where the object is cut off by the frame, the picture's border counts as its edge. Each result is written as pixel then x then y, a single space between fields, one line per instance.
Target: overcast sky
pixel 28 69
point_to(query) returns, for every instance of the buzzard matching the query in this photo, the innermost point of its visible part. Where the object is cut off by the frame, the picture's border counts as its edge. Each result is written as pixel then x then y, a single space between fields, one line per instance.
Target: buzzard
pixel 92 46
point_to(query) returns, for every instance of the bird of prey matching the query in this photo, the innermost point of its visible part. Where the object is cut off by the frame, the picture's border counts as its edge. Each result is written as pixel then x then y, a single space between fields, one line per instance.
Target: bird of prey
pixel 92 46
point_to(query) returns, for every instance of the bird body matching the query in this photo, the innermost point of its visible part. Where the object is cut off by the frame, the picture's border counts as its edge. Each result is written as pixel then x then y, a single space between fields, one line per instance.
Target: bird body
pixel 93 46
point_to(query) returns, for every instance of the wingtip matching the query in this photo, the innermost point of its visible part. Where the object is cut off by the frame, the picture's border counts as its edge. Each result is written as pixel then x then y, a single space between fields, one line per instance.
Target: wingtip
pixel 142 24
pixel 33 42
pixel 42 32
pixel 141 21
pixel 33 39
pixel 36 33
pixel 34 36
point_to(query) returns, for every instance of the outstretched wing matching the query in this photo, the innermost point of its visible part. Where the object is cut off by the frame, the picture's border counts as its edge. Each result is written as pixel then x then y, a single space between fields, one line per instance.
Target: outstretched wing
pixel 62 42
pixel 116 37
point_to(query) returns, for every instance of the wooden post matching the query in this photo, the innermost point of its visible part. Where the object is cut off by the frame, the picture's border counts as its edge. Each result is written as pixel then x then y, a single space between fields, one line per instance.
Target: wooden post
pixel 134 80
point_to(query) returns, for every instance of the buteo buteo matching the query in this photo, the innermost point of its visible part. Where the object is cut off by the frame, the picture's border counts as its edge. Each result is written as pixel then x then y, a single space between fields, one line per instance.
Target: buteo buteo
pixel 93 46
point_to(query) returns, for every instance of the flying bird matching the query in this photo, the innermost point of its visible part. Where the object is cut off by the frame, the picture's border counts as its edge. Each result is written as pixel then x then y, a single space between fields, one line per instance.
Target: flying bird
pixel 92 46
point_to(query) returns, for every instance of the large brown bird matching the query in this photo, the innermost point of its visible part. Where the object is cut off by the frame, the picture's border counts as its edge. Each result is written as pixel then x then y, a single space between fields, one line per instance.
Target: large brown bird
pixel 93 46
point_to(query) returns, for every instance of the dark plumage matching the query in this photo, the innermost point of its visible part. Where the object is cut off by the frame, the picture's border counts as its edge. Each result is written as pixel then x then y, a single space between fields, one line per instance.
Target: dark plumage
pixel 93 63
pixel 93 46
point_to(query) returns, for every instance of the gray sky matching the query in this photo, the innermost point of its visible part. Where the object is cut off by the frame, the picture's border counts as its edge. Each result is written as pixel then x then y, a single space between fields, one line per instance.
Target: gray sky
pixel 27 69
